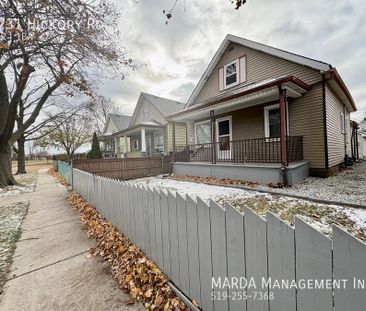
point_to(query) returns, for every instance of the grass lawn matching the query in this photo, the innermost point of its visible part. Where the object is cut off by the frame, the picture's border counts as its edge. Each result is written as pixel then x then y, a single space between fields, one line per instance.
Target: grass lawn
pixel 11 217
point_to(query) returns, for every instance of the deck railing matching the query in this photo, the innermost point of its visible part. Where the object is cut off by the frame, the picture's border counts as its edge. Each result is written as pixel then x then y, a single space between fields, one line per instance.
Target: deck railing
pixel 260 150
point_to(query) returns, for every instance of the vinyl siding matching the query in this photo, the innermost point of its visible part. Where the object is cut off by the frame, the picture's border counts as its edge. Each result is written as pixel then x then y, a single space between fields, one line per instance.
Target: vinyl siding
pixel 336 150
pixel 154 114
pixel 111 127
pixel 305 119
pixel 260 66
pixel 180 136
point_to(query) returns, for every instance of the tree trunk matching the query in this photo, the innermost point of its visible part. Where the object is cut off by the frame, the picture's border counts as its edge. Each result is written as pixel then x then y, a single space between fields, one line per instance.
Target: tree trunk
pixel 21 155
pixel 6 175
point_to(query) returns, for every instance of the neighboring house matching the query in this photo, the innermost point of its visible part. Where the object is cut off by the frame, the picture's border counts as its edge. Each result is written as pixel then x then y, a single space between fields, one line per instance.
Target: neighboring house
pixel 262 114
pixel 108 142
pixel 149 133
pixel 362 139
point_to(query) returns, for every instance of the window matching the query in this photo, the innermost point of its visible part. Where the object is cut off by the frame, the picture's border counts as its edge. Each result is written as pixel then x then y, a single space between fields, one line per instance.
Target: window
pixel 146 112
pixel 135 144
pixel 231 74
pixel 203 132
pixel 159 142
pixel 272 121
pixel 342 123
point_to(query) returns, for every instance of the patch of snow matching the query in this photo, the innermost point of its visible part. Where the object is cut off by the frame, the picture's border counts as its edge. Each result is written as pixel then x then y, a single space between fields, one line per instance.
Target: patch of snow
pixel 320 216
pixel 194 190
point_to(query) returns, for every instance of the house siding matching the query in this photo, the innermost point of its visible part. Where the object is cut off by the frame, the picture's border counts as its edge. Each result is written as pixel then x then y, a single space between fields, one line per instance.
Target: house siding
pixel 154 114
pixel 305 119
pixel 111 127
pixel 260 66
pixel 336 147
pixel 180 136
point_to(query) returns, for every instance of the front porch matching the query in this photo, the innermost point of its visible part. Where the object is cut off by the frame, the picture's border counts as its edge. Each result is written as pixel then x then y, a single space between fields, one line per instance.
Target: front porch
pixel 146 140
pixel 247 135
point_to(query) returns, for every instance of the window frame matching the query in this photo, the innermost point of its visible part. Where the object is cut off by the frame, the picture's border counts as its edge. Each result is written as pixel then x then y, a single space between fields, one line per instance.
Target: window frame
pixel 236 62
pixel 195 131
pixel 266 122
pixel 343 123
pixel 155 141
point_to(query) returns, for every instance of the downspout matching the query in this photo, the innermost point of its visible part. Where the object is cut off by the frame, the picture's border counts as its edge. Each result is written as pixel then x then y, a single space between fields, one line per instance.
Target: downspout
pixel 326 153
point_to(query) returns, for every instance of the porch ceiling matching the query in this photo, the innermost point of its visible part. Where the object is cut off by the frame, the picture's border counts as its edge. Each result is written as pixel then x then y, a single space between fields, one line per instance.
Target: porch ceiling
pixel 247 96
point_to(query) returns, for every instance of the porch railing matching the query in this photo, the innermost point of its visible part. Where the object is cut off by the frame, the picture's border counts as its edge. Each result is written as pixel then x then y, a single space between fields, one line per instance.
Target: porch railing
pixel 261 150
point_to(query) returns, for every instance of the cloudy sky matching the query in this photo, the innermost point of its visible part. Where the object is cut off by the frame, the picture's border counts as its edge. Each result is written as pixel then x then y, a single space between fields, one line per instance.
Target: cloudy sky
pixel 176 55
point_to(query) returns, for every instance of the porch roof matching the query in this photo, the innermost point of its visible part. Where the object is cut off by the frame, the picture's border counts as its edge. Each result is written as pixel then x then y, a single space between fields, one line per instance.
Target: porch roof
pixel 149 125
pixel 246 96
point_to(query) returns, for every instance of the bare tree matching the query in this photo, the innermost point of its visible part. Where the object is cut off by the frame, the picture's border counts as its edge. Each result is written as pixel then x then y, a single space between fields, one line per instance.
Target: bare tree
pixel 68 136
pixel 65 58
pixel 100 107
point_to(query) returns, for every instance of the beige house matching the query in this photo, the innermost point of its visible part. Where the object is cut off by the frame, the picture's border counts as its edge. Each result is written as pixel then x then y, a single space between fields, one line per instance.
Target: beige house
pixel 263 114
pixel 107 141
pixel 149 133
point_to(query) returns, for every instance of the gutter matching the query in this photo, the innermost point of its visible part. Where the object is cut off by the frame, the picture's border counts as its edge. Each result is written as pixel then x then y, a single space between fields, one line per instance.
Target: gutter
pixel 292 79
pixel 333 74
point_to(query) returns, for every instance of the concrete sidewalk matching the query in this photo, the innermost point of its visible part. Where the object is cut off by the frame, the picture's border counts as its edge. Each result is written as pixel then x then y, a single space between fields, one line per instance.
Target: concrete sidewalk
pixel 50 269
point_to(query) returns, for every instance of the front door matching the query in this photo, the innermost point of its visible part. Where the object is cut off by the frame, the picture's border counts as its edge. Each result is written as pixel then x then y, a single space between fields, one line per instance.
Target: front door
pixel 224 138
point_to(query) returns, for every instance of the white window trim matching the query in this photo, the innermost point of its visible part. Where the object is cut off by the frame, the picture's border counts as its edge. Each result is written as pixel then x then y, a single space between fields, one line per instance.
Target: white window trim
pixel 266 119
pixel 155 140
pixel 236 61
pixel 343 123
pixel 195 129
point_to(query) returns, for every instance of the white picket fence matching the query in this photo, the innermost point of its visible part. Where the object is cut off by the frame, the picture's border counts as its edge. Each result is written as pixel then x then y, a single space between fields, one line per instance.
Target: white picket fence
pixel 193 242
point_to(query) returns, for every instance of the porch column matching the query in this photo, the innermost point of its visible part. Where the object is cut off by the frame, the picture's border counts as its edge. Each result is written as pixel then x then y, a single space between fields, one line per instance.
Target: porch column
pixel 125 145
pixel 214 146
pixel 283 126
pixel 173 139
pixel 116 146
pixel 143 140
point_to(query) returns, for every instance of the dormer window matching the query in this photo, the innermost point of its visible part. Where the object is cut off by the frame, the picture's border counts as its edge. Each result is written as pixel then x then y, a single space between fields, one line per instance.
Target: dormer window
pixel 231 74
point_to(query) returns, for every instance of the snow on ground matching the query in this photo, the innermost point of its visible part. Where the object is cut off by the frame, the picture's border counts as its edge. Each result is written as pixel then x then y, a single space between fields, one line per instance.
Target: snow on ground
pixel 320 216
pixel 11 217
pixel 26 182
pixel 348 186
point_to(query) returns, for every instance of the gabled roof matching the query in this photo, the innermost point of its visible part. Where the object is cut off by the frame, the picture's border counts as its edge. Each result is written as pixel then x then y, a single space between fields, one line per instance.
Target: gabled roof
pixel 120 121
pixel 296 58
pixel 163 105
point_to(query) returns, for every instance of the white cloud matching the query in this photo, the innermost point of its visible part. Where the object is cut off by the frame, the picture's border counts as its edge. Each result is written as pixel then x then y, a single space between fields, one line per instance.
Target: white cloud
pixel 177 54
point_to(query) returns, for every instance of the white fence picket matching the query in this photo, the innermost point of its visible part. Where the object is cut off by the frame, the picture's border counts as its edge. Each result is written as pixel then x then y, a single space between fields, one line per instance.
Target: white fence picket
pixel 165 233
pixel 158 230
pixel 281 262
pixel 205 254
pixel 193 256
pixel 183 244
pixel 219 260
pixel 349 264
pixel 256 258
pixel 235 254
pixel 173 233
pixel 152 223
pixel 313 262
